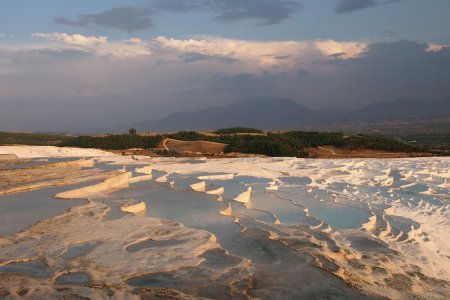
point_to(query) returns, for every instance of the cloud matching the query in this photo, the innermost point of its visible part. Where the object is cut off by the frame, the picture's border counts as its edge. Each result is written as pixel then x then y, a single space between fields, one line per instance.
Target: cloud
pixel 126 18
pixel 402 69
pixel 385 71
pixel 303 73
pixel 192 57
pixel 98 45
pixel 254 54
pixel 259 84
pixel 68 77
pixel 266 12
pixel 7 35
pixel 262 53
pixel 245 82
pixel 436 47
pixel 348 6
pixel 75 39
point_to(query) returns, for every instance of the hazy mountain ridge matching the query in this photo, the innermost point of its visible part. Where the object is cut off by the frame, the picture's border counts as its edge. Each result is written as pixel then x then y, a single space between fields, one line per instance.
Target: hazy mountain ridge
pixel 402 109
pixel 276 114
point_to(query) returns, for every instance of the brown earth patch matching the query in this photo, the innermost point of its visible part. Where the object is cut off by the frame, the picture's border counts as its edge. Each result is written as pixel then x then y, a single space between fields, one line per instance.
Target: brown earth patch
pixel 192 146
pixel 333 152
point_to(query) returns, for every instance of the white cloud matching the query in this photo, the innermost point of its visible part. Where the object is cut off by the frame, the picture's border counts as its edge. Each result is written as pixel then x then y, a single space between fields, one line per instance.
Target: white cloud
pixel 104 86
pixel 436 47
pixel 7 35
pixel 345 50
pixel 98 45
pixel 265 53
pixel 75 39
pixel 262 54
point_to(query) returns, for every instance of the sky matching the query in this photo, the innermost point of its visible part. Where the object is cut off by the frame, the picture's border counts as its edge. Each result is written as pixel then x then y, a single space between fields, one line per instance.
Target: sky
pixel 77 65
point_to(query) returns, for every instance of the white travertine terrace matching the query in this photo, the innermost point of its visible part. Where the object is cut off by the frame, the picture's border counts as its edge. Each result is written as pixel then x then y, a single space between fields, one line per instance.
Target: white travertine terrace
pixel 50 175
pixel 216 177
pixel 145 170
pixel 109 262
pixel 82 163
pixel 133 207
pixel 8 157
pixel 198 187
pixel 50 151
pixel 218 191
pixel 98 190
pixel 400 250
pixel 273 186
pixel 162 179
pixel 136 179
pixel 245 197
pixel 227 211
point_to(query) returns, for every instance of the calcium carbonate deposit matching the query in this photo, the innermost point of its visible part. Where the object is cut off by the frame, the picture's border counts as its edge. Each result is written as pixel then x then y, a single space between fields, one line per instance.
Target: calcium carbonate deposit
pixel 87 224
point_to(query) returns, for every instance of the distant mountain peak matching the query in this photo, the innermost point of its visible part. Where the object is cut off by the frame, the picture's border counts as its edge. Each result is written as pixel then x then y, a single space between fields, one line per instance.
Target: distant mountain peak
pixel 284 113
pixel 263 113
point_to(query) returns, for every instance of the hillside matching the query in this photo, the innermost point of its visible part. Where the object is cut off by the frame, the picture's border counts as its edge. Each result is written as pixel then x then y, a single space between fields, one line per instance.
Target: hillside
pixel 37 139
pixel 291 143
pixel 258 113
pixel 400 110
pixel 192 146
pixel 286 114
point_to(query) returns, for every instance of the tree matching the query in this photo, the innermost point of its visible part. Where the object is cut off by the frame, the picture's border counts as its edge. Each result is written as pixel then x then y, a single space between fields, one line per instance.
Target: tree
pixel 132 131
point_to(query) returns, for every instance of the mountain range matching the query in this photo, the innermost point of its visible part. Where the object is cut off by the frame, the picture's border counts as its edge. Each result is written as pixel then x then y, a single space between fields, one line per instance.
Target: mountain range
pixel 277 114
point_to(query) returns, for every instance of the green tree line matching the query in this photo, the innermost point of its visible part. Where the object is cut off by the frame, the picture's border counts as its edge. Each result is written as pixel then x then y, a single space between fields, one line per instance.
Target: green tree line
pixel 235 130
pixel 114 142
pixel 291 143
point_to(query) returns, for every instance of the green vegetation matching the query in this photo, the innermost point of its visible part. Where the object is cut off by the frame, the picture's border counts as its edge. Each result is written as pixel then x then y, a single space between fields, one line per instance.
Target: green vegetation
pixel 36 139
pixel 431 135
pixel 378 143
pixel 114 142
pixel 132 131
pixel 291 143
pixel 294 143
pixel 273 145
pixel 236 130
pixel 190 136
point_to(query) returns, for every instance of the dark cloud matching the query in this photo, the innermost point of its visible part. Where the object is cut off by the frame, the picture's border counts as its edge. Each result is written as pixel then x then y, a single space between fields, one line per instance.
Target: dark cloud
pixel 337 55
pixel 303 73
pixel 267 12
pixel 244 81
pixel 196 57
pixel 64 21
pixel 179 6
pixel 264 78
pixel 281 57
pixel 348 6
pixel 387 71
pixel 389 33
pixel 66 85
pixel 56 55
pixel 125 18
pixel 249 85
pixel 277 57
